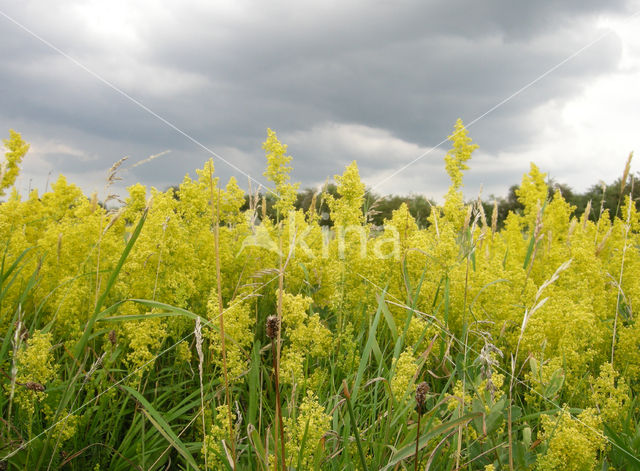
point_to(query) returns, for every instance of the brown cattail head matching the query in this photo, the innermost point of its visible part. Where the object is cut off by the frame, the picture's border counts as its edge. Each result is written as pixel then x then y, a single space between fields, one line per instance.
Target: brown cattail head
pixel 273 326
pixel 421 396
pixel 33 386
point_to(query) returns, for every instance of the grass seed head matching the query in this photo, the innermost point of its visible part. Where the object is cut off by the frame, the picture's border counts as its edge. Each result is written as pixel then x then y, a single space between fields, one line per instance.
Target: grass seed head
pixel 421 396
pixel 273 326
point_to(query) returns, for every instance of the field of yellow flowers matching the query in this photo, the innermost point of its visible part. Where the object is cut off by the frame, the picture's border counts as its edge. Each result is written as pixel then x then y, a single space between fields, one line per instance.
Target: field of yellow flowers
pixel 190 330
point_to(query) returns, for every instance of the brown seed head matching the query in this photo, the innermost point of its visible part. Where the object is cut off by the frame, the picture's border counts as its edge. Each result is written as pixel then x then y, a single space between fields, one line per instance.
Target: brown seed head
pixel 273 326
pixel 421 395
pixel 33 386
pixel 112 337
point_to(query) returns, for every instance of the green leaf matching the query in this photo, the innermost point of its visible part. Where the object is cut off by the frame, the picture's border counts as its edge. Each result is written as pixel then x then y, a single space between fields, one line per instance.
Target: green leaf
pixel 256 443
pixel 369 346
pixel 555 384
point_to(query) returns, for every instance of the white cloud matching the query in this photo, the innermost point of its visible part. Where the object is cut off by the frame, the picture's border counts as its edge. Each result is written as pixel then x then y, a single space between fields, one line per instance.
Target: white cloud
pixel 588 138
pixel 342 83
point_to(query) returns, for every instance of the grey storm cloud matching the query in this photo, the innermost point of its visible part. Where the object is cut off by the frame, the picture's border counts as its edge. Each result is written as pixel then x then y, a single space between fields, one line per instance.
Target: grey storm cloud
pixel 381 82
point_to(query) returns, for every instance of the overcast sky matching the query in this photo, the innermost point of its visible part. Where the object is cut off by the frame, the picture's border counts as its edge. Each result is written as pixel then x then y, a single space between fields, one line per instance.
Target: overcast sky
pixel 380 82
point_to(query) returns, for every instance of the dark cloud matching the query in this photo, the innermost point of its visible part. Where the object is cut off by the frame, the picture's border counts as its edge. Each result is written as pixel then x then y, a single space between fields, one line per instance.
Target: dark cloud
pixel 402 70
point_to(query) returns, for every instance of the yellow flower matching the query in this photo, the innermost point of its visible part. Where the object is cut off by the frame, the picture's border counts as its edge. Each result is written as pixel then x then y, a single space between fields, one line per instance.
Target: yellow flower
pixel 278 172
pixel 404 372
pixel 309 427
pixel 573 443
pixel 9 169
pixel 455 164
pixel 36 365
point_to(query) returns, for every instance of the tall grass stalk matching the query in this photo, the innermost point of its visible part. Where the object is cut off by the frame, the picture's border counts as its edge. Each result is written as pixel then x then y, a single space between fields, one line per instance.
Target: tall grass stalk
pixel 537 304
pixel 421 396
pixel 354 425
pixel 215 216
pixel 623 181
pixel 277 355
pixel 273 330
pixel 198 335
pixel 627 227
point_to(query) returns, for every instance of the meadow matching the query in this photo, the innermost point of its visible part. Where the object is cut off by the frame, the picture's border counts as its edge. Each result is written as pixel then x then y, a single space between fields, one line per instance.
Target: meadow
pixel 184 330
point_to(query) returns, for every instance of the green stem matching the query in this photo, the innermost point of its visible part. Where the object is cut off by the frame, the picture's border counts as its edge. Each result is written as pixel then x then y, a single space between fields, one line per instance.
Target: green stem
pixel 417 441
pixel 354 426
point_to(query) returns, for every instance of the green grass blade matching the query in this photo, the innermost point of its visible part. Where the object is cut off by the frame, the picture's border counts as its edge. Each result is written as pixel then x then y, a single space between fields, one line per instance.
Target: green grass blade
pixel 82 343
pixel 409 450
pixel 366 352
pixel 162 426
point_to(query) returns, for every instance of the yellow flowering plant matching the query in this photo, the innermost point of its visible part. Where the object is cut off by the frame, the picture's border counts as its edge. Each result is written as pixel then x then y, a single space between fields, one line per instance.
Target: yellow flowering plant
pixel 110 315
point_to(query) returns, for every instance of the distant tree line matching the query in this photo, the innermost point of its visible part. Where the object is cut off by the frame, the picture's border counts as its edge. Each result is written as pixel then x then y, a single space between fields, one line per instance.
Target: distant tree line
pixel 379 208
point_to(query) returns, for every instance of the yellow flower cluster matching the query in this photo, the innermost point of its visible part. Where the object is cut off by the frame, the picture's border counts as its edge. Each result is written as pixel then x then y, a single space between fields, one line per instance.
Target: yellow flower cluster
pixel 455 159
pixel 610 396
pixel 145 338
pixel 35 364
pixel 9 168
pixel 459 270
pixel 238 331
pixel 573 443
pixel 404 369
pixel 212 446
pixel 307 338
pixel 278 172
pixel 305 432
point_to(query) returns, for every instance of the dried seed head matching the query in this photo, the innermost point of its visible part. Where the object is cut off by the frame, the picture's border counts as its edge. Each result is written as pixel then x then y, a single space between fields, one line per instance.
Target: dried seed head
pixel 483 216
pixel 538 228
pixel 494 217
pixel 603 243
pixel 273 326
pixel 264 207
pixel 421 396
pixel 467 218
pixel 33 386
pixel 112 337
pixel 625 174
pixel 312 207
pixel 94 201
pixel 113 220
pixel 587 212
pixel 572 226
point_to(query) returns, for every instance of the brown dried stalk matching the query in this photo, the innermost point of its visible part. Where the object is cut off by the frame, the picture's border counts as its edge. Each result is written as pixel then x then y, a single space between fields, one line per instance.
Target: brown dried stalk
pixel 273 332
pixel 215 216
